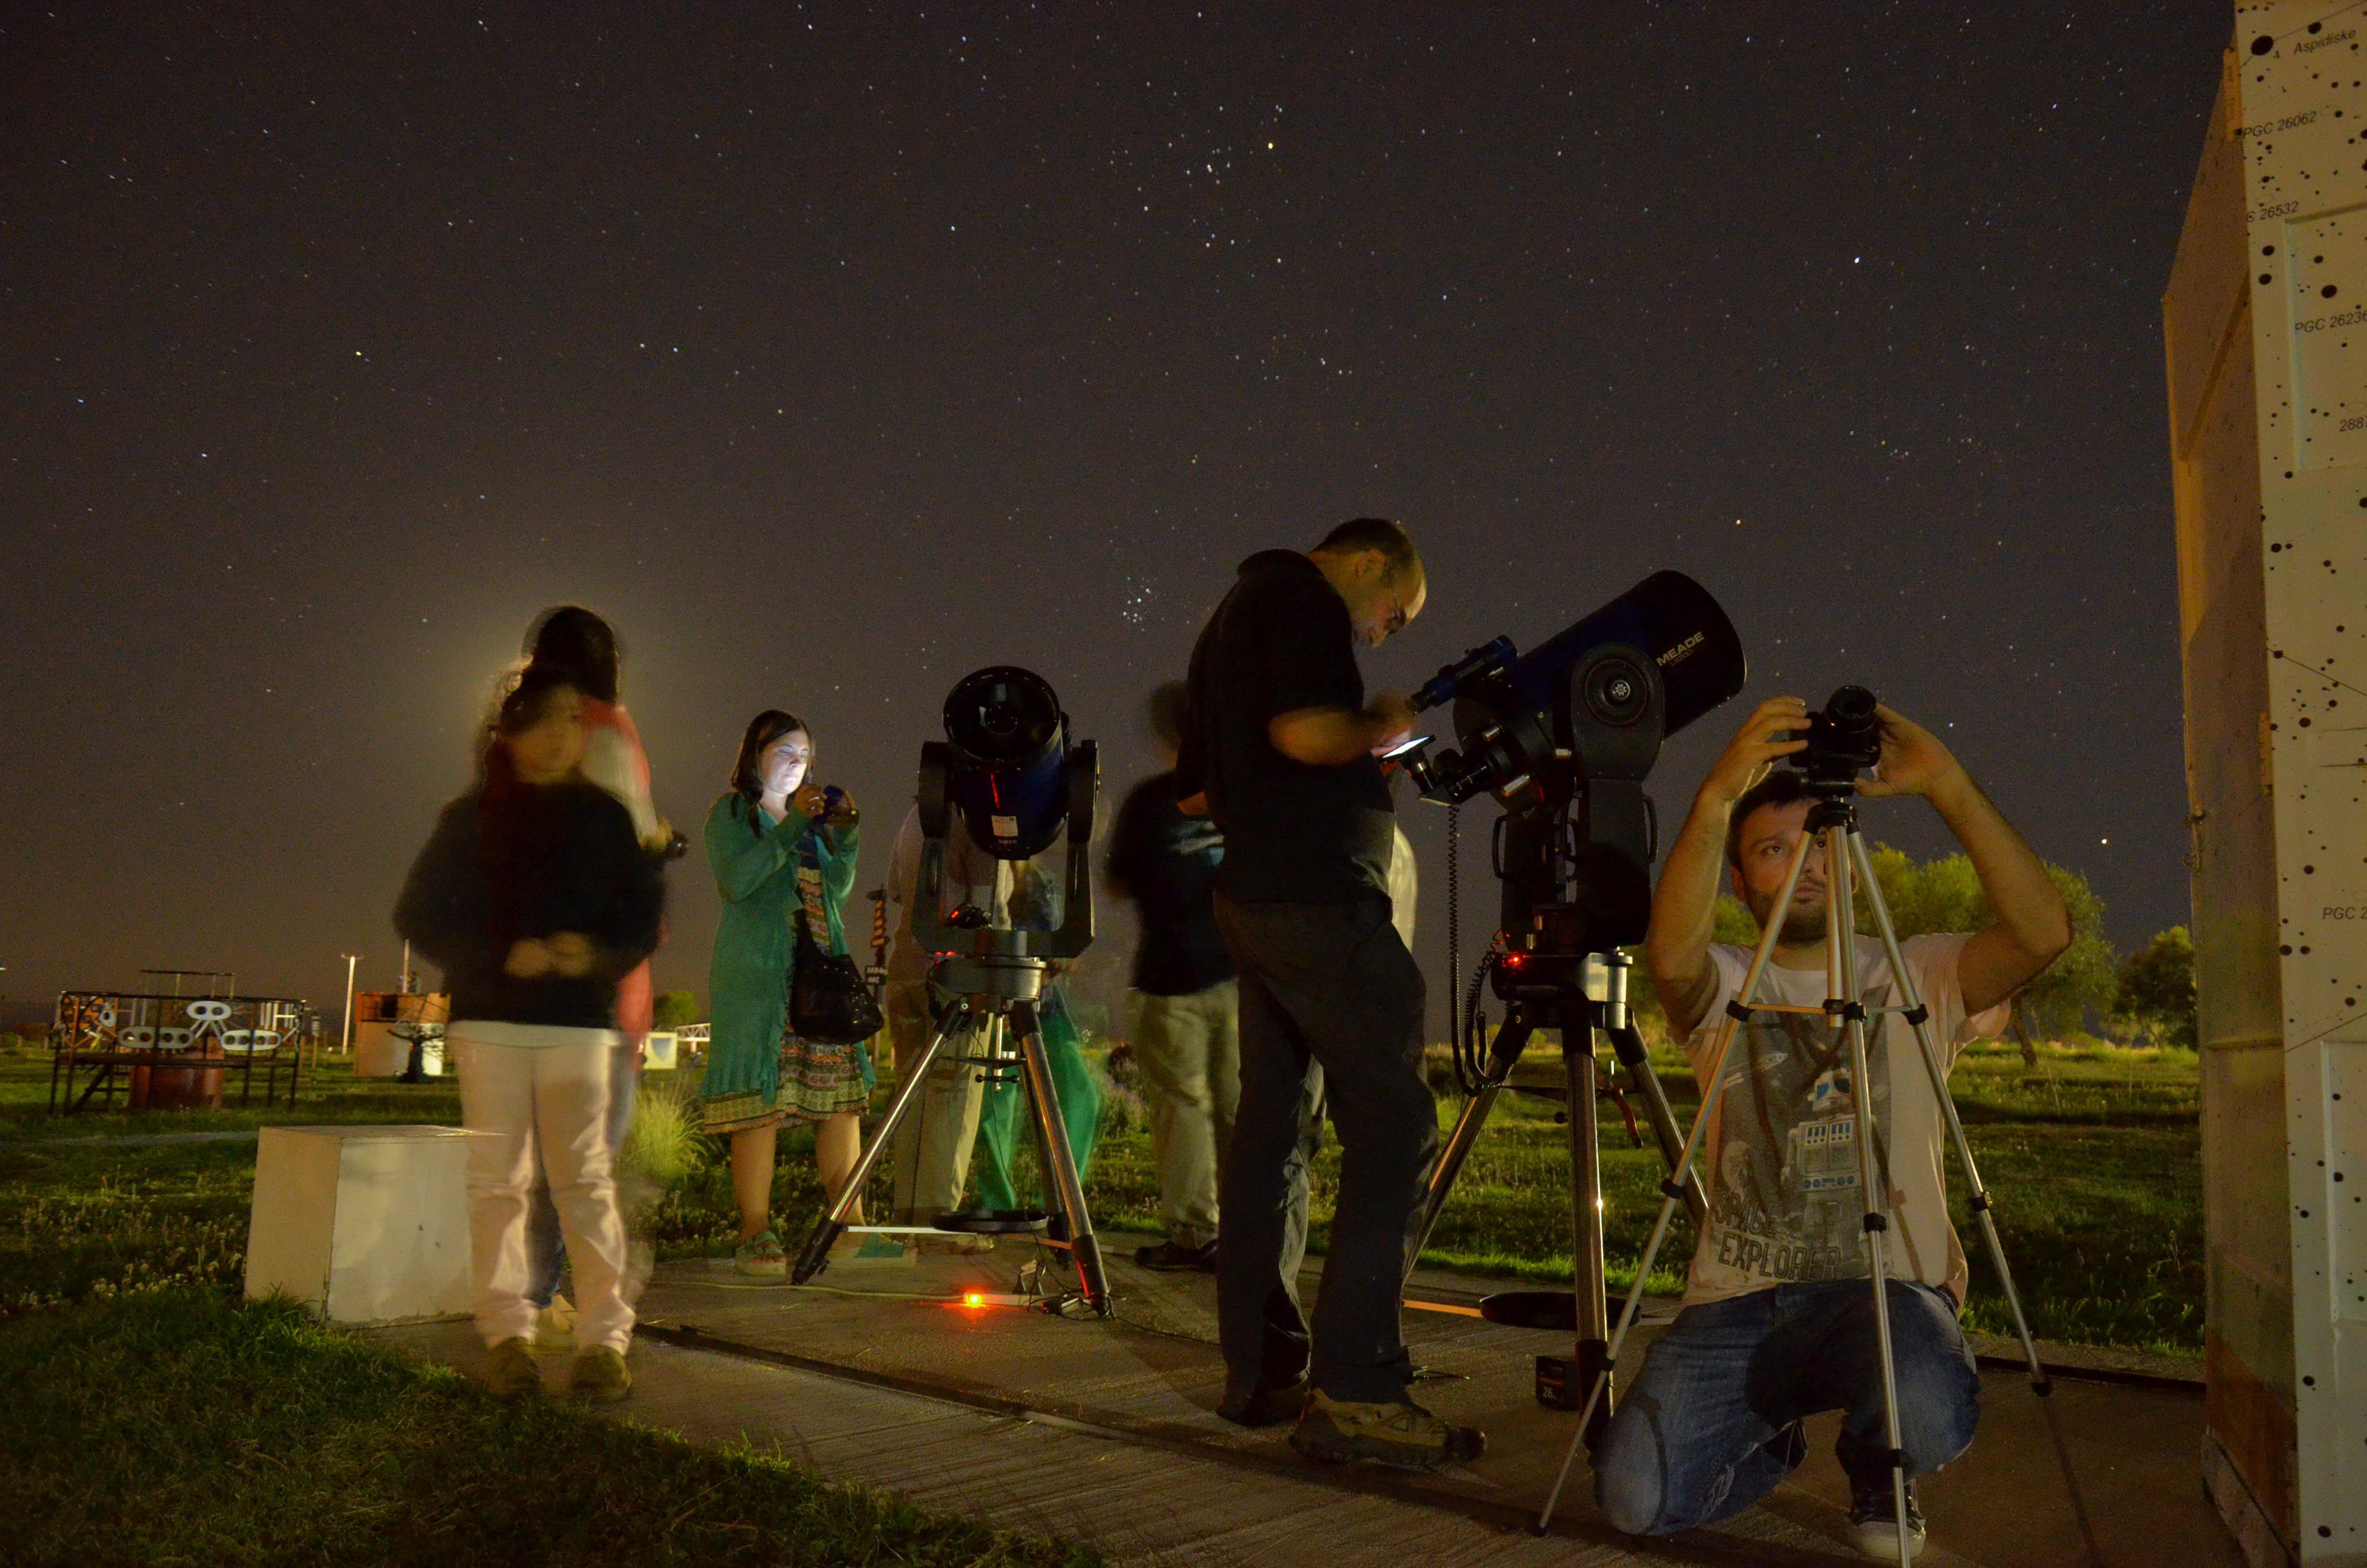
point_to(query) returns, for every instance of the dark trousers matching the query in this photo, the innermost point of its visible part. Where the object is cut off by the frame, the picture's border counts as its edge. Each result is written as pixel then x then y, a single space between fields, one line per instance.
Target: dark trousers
pixel 1331 1011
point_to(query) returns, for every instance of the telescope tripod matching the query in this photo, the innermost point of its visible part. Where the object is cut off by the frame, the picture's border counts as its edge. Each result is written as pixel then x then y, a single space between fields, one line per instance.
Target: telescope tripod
pixel 1579 995
pixel 995 1004
pixel 1832 822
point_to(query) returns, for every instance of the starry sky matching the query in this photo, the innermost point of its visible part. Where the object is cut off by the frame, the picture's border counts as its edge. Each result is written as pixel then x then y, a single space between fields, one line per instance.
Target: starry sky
pixel 834 352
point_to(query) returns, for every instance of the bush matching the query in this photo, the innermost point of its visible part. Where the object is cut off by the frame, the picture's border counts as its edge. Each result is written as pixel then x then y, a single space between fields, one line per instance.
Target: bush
pixel 672 1010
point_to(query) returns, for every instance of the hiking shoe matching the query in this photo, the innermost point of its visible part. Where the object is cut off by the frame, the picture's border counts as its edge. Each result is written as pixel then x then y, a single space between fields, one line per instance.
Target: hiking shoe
pixel 1263 1404
pixel 1874 1518
pixel 762 1257
pixel 1167 1257
pixel 600 1376
pixel 510 1370
pixel 1404 1434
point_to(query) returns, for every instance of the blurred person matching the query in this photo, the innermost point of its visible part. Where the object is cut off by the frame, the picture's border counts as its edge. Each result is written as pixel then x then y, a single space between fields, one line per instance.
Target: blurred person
pixel 578 645
pixel 1778 1322
pixel 1279 747
pixel 783 853
pixel 1036 903
pixel 935 1140
pixel 535 897
pixel 1186 1034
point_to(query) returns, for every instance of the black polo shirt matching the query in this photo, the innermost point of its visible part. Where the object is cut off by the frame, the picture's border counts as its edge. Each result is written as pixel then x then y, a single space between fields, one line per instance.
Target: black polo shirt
pixel 1280 642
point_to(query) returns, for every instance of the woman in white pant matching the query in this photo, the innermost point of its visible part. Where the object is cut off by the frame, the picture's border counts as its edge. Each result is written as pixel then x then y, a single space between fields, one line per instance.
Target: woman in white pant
pixel 535 897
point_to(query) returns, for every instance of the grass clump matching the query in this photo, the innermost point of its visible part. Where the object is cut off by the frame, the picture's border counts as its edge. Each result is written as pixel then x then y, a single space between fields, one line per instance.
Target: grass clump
pixel 175 1427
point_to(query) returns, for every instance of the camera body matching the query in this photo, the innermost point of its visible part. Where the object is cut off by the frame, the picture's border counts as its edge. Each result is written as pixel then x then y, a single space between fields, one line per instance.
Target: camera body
pixel 1844 740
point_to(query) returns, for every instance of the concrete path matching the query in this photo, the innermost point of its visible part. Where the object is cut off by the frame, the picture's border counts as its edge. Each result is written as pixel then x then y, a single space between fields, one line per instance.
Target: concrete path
pixel 1105 1432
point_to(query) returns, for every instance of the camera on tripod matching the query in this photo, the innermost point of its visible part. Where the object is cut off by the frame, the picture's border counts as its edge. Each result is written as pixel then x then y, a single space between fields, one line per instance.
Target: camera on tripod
pixel 1844 740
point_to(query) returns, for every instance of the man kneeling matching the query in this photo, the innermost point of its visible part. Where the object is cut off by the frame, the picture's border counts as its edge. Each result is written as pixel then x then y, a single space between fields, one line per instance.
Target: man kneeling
pixel 1778 1322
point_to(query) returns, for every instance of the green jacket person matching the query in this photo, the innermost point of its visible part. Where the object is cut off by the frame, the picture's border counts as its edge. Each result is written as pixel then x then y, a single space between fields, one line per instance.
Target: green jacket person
pixel 783 853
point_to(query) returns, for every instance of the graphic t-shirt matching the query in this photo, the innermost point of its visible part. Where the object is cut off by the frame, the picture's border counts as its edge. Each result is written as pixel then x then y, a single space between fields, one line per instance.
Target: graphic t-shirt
pixel 1781 1160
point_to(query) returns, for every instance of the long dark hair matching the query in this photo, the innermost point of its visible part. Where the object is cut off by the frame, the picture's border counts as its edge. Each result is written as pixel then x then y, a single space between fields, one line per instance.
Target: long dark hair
pixel 504 829
pixel 762 730
pixel 577 644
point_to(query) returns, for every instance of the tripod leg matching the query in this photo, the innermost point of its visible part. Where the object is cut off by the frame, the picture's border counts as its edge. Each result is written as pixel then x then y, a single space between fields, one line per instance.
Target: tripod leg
pixel 1841 962
pixel 1628 1046
pixel 1511 1039
pixel 1671 1194
pixel 1976 1196
pixel 1060 1177
pixel 1590 1358
pixel 815 1256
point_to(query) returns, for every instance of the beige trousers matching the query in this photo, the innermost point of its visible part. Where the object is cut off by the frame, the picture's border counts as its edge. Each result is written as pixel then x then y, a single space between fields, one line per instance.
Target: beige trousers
pixel 933 1142
pixel 515 1100
pixel 1188 1049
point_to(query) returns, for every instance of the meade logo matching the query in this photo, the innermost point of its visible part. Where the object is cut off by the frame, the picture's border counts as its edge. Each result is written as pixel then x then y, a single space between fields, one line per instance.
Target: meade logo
pixel 1680 650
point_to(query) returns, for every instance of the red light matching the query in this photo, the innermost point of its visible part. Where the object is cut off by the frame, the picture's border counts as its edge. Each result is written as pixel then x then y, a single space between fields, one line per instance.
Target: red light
pixel 1514 961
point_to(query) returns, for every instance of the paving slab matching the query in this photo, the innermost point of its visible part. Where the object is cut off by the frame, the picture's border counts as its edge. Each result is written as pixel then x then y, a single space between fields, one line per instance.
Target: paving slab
pixel 1107 1432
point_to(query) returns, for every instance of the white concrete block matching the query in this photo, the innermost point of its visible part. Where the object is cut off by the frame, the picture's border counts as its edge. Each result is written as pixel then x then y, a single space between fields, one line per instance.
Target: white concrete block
pixel 658 1051
pixel 368 1225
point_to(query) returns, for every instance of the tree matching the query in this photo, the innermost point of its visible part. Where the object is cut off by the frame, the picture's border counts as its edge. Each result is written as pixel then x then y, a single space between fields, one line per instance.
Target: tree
pixel 1944 895
pixel 2156 994
pixel 672 1010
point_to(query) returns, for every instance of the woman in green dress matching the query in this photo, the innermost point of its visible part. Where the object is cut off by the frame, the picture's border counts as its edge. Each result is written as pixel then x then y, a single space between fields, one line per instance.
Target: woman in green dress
pixel 783 853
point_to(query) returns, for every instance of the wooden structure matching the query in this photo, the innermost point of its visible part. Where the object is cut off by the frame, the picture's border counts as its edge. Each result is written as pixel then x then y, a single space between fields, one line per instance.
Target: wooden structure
pixel 171 1053
pixel 2267 342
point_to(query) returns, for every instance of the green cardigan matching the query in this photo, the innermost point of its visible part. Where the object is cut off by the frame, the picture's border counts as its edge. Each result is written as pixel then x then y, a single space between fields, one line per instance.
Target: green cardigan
pixel 755 944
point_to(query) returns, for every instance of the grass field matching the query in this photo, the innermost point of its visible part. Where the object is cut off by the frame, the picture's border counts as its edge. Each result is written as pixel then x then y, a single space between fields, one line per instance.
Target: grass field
pixel 2093 1158
pixel 172 1426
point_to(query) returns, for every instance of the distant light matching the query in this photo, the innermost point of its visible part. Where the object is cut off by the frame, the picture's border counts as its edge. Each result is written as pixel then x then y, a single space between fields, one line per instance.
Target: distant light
pixel 973 1299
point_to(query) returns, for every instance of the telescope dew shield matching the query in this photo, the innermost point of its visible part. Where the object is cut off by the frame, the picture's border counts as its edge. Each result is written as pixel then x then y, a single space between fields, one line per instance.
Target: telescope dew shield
pixel 1671 618
pixel 1008 776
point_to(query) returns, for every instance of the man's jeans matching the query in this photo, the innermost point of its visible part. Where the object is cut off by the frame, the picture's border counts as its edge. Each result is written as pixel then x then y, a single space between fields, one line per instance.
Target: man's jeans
pixel 1330 1008
pixel 1707 1428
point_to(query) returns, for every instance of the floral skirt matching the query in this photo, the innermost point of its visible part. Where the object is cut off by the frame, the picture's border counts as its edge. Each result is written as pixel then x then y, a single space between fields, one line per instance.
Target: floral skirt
pixel 818 1081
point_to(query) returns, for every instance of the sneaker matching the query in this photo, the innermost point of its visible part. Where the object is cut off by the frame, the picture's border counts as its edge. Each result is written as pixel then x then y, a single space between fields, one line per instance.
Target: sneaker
pixel 1168 1258
pixel 510 1370
pixel 1874 1518
pixel 600 1376
pixel 762 1257
pixel 958 1243
pixel 1263 1404
pixel 1405 1435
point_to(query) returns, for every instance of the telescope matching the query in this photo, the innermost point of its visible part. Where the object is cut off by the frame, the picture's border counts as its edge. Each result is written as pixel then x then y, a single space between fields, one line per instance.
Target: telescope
pixel 1564 736
pixel 1572 728
pixel 1007 775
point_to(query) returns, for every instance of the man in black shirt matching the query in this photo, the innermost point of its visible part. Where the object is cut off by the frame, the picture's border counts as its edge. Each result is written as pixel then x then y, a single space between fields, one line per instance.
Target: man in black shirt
pixel 1278 746
pixel 1186 1041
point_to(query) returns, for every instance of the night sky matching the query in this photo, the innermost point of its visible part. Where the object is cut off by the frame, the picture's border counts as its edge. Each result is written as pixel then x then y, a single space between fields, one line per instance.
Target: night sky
pixel 834 353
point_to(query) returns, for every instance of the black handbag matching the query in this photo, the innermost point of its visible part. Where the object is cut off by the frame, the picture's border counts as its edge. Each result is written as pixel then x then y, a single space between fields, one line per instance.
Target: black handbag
pixel 829 1001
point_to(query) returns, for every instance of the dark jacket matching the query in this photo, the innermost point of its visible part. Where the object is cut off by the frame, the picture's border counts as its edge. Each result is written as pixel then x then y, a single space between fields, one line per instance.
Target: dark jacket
pixel 573 865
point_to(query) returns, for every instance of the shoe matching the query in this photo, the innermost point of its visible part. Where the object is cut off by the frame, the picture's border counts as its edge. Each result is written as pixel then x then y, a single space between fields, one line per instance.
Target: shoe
pixel 600 1376
pixel 510 1370
pixel 762 1257
pixel 1874 1518
pixel 1168 1258
pixel 1264 1404
pixel 956 1244
pixel 1405 1435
